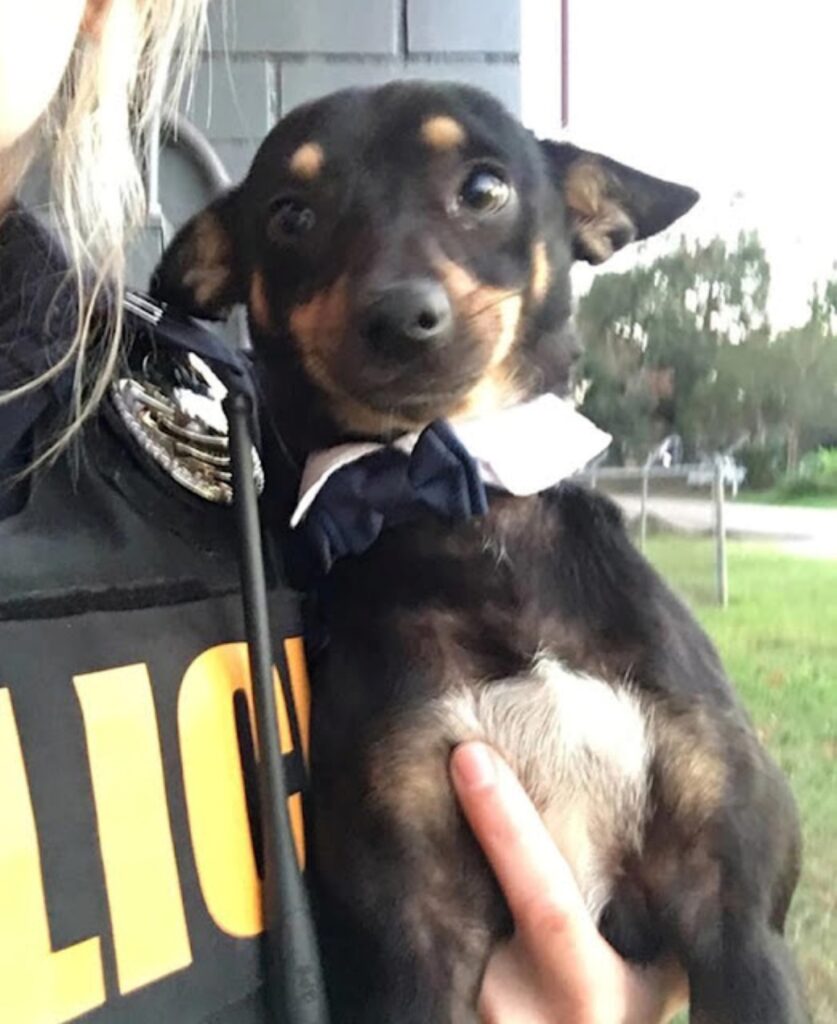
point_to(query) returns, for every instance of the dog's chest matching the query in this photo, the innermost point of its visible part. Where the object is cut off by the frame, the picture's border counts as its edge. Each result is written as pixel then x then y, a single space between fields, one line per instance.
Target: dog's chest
pixel 582 749
pixel 581 743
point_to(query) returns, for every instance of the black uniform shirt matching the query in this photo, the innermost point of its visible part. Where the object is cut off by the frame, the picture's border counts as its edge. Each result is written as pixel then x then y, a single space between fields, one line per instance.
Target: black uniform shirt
pixel 129 882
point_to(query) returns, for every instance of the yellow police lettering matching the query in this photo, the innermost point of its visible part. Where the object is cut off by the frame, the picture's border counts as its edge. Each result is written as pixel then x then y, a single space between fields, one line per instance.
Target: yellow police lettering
pixel 146 905
pixel 214 785
pixel 38 985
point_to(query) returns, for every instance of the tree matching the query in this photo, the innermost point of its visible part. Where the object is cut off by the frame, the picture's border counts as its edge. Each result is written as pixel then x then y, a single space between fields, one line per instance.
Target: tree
pixel 683 345
pixel 653 336
pixel 741 397
pixel 805 362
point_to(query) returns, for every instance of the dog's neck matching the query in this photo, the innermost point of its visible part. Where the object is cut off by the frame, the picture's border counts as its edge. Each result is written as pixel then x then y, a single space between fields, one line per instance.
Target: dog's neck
pixel 351 494
pixel 521 450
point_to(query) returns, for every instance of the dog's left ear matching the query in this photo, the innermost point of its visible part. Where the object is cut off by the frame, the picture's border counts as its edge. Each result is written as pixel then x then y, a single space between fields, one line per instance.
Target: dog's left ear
pixel 610 204
pixel 201 271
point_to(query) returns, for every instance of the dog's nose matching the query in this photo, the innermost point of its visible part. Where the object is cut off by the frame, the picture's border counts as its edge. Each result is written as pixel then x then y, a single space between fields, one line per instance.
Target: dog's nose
pixel 407 316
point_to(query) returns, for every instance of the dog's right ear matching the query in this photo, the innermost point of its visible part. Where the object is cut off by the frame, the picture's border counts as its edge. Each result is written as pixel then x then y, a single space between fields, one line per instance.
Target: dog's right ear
pixel 201 271
pixel 610 204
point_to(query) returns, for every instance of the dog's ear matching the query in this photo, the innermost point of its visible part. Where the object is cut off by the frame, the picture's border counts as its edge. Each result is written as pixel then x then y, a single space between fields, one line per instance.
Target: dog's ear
pixel 610 204
pixel 201 271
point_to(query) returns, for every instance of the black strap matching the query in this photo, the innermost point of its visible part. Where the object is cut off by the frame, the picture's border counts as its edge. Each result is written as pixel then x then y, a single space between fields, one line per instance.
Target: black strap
pixel 157 324
pixel 165 326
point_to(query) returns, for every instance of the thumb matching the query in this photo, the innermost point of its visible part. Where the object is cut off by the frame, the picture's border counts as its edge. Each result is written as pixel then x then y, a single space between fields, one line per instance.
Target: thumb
pixel 538 884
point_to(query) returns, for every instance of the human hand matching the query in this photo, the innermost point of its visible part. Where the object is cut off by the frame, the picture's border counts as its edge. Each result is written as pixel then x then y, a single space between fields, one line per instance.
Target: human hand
pixel 557 969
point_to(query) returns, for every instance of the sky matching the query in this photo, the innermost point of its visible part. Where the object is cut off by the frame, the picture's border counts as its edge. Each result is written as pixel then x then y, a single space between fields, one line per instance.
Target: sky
pixel 737 98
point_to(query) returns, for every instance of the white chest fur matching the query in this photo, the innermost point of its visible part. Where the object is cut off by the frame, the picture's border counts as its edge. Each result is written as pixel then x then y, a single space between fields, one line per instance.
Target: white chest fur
pixel 582 749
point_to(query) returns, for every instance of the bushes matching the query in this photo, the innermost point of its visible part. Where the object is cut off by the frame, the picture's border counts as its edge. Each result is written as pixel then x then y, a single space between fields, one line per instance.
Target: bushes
pixel 816 479
pixel 821 464
pixel 817 476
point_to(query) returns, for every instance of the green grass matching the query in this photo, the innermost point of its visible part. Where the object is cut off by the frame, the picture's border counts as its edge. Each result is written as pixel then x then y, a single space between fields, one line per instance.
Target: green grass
pixel 778 639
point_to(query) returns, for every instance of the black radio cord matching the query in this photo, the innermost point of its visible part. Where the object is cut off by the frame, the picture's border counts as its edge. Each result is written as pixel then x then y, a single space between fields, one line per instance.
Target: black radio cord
pixel 295 989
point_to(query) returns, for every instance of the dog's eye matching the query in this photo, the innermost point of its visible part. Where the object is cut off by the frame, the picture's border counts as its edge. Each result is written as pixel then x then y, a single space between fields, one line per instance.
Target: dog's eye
pixel 484 191
pixel 290 218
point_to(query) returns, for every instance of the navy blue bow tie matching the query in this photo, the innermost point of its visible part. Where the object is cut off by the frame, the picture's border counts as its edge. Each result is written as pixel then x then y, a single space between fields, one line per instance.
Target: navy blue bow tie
pixel 383 489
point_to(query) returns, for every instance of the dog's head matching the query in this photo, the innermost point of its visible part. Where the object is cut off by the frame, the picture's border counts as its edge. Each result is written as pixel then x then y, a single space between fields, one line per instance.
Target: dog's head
pixel 410 246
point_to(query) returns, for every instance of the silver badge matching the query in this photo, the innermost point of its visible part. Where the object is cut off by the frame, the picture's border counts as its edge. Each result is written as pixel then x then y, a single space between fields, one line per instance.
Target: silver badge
pixel 181 424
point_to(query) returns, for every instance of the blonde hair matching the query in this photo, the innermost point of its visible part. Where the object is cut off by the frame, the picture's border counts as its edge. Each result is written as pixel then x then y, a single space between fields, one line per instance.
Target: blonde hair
pixel 111 92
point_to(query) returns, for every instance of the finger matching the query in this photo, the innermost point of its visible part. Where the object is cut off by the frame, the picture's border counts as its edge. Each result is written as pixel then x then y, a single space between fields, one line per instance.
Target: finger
pixel 511 990
pixel 657 992
pixel 536 880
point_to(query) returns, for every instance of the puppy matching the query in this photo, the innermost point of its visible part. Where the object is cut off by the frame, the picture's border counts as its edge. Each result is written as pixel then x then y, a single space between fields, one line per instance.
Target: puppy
pixel 404 255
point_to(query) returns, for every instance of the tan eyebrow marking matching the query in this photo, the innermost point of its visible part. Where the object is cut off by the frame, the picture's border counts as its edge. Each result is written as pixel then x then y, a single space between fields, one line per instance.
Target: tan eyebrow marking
pixel 308 160
pixel 442 132
pixel 540 271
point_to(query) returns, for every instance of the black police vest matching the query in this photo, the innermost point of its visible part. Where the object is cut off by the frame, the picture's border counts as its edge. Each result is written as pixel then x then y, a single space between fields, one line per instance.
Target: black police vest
pixel 129 874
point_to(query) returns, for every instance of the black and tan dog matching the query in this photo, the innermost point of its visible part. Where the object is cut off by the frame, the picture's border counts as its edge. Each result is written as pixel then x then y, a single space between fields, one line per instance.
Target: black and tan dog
pixel 404 254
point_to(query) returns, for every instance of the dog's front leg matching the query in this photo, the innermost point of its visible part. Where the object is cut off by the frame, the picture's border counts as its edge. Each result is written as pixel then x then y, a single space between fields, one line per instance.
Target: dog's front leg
pixel 409 912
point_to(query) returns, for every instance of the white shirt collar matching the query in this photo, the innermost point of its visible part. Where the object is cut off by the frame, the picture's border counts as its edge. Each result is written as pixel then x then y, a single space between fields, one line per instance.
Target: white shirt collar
pixel 523 450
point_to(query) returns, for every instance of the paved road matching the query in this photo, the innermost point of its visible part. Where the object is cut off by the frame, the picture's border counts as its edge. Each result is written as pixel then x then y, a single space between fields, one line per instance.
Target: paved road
pixel 811 531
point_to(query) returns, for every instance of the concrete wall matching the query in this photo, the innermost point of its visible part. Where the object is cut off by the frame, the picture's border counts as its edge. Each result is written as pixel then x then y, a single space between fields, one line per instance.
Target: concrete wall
pixel 264 57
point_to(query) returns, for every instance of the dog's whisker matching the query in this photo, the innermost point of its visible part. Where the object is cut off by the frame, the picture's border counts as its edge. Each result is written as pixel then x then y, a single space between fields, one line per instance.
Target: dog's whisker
pixel 494 303
pixel 332 332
